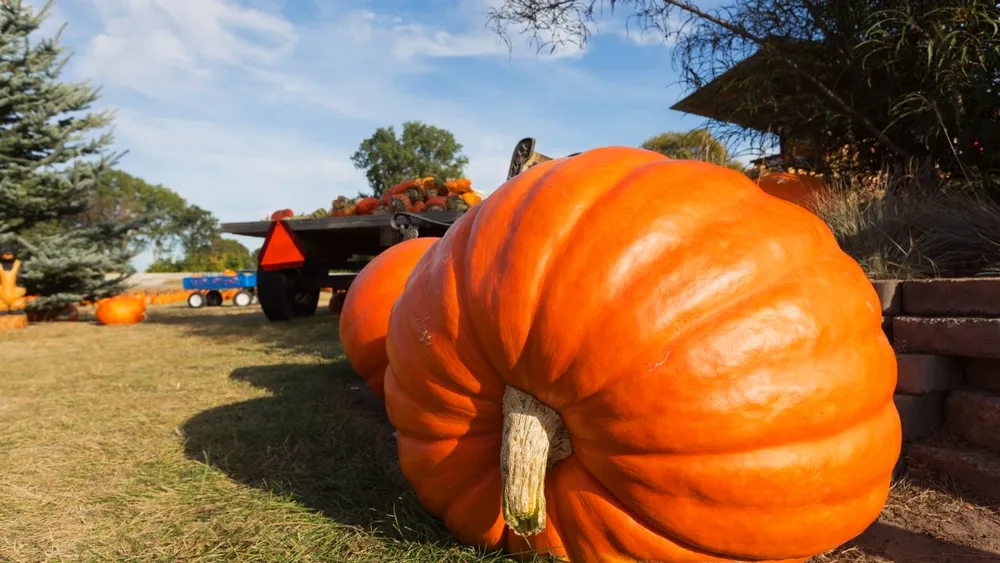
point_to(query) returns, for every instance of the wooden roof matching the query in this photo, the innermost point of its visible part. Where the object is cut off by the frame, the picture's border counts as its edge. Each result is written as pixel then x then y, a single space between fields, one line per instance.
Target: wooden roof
pixel 722 98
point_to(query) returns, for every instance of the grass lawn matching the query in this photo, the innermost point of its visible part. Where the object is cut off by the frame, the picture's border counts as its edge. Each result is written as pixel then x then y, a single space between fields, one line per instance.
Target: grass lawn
pixel 211 435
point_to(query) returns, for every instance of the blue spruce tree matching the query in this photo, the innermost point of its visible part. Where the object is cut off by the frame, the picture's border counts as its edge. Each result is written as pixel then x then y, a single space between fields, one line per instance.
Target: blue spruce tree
pixel 52 151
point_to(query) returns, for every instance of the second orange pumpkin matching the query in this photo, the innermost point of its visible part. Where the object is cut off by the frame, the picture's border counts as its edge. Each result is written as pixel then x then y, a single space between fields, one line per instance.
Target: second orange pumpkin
pixel 364 317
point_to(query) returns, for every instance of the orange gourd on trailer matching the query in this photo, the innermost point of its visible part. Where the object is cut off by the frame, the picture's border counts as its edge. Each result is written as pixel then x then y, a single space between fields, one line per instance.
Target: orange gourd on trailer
pixel 724 394
pixel 800 189
pixel 121 310
pixel 367 206
pixel 364 316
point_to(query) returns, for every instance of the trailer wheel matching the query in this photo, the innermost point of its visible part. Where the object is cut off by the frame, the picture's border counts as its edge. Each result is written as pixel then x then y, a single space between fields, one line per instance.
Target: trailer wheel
pixel 242 299
pixel 281 299
pixel 305 302
pixel 196 301
pixel 213 298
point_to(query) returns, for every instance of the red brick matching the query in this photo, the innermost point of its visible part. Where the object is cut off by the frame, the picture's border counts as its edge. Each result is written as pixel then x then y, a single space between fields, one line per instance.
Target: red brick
pixel 890 296
pixel 966 297
pixel 927 373
pixel 983 373
pixel 974 416
pixel 967 337
pixel 976 471
pixel 920 415
pixel 887 327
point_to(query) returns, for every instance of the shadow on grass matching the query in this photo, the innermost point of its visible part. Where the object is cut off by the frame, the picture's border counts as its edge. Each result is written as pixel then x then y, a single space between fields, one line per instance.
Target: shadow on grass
pixel 322 440
pixel 317 335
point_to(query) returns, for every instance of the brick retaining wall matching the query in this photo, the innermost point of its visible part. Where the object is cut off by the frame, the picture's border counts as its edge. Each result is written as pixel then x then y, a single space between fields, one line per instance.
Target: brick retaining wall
pixel 946 334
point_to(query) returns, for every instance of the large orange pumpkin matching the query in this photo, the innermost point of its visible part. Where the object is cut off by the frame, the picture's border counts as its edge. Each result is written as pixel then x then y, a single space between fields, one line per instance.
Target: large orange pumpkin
pixel 122 310
pixel 364 316
pixel 619 357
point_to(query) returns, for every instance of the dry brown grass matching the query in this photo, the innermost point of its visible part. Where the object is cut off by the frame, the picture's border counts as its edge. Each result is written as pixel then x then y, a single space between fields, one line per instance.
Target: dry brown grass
pixel 909 223
pixel 213 436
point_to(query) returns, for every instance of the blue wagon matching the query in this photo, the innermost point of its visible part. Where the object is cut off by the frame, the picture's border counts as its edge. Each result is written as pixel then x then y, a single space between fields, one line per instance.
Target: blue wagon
pixel 208 289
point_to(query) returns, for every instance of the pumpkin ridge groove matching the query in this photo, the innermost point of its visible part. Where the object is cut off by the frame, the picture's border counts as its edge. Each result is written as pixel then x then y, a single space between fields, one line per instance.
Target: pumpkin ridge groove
pixel 410 331
pixel 734 300
pixel 553 256
pixel 634 281
pixel 639 519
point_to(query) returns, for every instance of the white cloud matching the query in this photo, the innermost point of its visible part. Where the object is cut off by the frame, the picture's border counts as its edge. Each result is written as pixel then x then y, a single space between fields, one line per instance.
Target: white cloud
pixel 242 112
pixel 234 170
pixel 164 48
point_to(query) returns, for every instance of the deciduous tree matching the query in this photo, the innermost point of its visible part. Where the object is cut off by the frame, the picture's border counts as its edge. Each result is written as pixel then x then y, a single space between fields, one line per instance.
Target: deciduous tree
pixel 698 144
pixel 421 150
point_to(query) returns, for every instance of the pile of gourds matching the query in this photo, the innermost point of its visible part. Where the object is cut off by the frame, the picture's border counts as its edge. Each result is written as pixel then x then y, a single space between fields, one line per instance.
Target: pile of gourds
pixel 415 195
pixel 622 357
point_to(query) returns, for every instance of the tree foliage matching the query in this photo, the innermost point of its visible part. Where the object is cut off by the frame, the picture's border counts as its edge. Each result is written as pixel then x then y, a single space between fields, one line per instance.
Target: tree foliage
pixel 154 213
pixel 892 79
pixel 697 144
pixel 218 255
pixel 420 151
pixel 53 150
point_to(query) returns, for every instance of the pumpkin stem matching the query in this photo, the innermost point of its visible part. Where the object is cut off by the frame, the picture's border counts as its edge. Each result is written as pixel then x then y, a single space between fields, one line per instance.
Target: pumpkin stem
pixel 534 439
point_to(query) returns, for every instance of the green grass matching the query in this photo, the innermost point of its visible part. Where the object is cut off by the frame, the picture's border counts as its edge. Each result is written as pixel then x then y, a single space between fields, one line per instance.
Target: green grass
pixel 200 436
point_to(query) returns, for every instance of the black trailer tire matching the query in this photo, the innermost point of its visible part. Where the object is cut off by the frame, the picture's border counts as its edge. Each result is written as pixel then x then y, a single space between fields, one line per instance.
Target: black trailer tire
pixel 243 299
pixel 273 294
pixel 305 302
pixel 213 298
pixel 196 301
pixel 281 299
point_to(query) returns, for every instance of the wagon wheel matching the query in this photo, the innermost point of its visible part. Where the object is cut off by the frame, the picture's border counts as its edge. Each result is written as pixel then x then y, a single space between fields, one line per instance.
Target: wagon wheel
pixel 213 298
pixel 196 300
pixel 281 297
pixel 242 299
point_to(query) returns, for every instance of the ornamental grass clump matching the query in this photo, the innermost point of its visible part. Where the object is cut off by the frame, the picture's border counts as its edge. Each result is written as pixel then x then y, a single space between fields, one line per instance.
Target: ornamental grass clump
pixel 913 222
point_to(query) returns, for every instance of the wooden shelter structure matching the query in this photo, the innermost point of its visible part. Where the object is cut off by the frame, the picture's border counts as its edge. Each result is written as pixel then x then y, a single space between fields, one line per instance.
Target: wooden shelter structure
pixel 743 96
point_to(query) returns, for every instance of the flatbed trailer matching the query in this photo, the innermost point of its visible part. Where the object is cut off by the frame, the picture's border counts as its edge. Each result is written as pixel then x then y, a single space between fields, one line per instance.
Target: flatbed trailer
pixel 298 256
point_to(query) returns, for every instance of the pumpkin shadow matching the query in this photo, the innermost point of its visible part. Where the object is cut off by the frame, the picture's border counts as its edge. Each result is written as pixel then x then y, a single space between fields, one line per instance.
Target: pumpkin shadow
pixel 322 439
pixel 904 546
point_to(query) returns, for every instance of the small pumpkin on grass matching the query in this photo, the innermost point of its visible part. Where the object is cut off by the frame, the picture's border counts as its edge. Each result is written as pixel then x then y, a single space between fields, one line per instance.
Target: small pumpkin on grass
pixel 725 395
pixel 364 316
pixel 121 310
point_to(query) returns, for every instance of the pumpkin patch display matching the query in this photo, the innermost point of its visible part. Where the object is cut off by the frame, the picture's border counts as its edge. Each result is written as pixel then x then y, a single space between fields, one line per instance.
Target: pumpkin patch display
pixel 121 310
pixel 414 195
pixel 622 357
pixel 364 316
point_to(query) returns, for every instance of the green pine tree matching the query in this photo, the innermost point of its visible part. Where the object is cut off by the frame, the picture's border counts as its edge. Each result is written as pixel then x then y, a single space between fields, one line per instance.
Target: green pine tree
pixel 52 150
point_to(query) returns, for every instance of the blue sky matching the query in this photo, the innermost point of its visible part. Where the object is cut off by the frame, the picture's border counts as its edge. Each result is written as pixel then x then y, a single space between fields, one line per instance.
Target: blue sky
pixel 247 106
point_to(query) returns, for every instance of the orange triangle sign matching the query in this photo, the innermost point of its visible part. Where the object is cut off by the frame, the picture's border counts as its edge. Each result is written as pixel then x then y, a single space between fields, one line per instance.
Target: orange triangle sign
pixel 281 250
